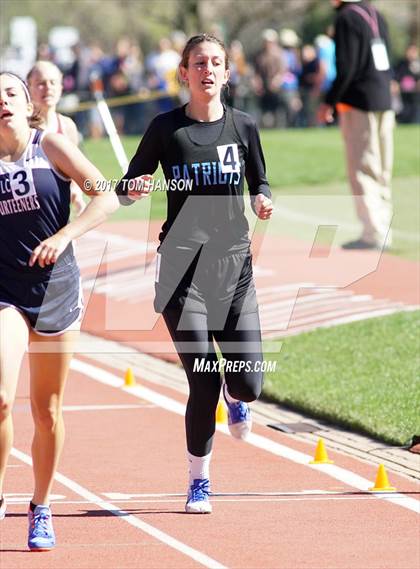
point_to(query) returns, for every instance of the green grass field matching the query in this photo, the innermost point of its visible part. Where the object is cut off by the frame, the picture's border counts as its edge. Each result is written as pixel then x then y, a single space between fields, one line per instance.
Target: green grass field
pixel 362 375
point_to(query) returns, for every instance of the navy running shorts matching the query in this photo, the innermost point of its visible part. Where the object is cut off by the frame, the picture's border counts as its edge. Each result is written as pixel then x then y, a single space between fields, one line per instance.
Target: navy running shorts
pixel 51 303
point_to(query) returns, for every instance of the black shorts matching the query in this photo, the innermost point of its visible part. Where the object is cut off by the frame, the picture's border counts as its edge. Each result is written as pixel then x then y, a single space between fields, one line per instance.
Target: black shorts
pixel 205 282
pixel 50 303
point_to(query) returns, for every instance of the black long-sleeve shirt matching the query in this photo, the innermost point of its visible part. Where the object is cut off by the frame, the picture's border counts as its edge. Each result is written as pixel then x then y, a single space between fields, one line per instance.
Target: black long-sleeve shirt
pixel 212 159
pixel 358 83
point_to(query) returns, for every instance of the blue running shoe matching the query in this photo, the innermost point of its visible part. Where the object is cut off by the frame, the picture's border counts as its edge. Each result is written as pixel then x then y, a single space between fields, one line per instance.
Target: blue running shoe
pixel 239 417
pixel 40 533
pixel 198 497
pixel 2 508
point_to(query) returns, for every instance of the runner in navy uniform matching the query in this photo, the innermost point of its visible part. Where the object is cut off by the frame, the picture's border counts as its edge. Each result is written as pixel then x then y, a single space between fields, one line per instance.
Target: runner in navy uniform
pixel 39 282
pixel 45 85
pixel 204 282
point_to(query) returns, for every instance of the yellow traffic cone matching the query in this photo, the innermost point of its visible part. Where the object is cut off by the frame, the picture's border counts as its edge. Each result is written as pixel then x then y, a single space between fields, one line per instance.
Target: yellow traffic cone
pixel 321 456
pixel 221 413
pixel 129 379
pixel 382 482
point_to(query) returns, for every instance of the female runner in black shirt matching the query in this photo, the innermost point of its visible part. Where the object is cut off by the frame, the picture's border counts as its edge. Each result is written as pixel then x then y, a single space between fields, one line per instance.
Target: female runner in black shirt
pixel 204 283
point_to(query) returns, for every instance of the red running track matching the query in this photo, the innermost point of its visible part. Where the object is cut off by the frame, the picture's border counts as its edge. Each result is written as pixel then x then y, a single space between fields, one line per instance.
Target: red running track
pixel 124 455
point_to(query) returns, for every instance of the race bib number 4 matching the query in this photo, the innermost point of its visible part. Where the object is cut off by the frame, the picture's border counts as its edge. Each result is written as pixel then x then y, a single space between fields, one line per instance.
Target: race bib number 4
pixel 229 158
pixel 379 54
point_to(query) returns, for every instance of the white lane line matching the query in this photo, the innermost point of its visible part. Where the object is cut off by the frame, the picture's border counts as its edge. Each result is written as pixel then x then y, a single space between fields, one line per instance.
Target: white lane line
pixel 302 315
pixel 138 391
pixel 126 517
pixel 90 249
pixel 26 407
pixel 341 474
pixel 317 299
pixel 124 496
pixel 214 499
pixel 293 331
pixel 23 498
pixel 106 407
pixel 333 314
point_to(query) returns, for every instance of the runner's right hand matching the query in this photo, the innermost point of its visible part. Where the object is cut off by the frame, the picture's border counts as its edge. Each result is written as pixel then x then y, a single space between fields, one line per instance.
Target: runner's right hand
pixel 143 185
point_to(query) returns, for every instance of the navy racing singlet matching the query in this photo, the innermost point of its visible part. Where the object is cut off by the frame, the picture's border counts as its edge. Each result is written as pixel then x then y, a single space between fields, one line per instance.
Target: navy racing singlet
pixel 34 204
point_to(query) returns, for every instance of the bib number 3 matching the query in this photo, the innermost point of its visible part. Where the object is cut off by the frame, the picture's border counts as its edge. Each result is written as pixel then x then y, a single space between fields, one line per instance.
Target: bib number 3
pixel 21 184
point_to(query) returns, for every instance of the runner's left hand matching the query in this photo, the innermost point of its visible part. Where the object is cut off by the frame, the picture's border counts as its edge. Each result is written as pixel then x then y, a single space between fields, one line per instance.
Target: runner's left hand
pixel 48 251
pixel 263 207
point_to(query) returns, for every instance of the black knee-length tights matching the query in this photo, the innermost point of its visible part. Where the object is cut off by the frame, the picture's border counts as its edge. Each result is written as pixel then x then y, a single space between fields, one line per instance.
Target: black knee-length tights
pixel 239 341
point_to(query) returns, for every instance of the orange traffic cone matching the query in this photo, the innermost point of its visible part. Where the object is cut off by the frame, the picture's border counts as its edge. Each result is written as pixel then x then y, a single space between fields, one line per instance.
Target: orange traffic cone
pixel 221 413
pixel 382 482
pixel 129 379
pixel 321 456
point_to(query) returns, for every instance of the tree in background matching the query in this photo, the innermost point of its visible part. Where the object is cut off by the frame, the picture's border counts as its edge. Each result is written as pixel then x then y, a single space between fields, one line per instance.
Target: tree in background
pixel 106 21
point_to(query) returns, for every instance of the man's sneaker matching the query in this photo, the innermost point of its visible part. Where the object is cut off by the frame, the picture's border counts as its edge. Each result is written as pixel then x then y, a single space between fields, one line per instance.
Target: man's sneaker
pixel 40 532
pixel 239 417
pixel 363 245
pixel 198 497
pixel 2 508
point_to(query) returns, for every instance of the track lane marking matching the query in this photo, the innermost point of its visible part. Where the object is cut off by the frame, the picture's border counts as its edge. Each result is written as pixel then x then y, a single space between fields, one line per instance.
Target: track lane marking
pixel 150 530
pixel 337 472
pixel 216 499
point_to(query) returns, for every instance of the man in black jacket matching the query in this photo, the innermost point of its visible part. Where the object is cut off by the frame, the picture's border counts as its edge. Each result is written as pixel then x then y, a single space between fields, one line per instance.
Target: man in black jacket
pixel 361 94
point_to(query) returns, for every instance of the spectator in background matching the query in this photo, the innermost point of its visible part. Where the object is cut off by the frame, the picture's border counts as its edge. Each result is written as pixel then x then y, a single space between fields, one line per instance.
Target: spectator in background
pixel 309 84
pixel 178 39
pixel 131 64
pixel 289 86
pixel 407 77
pixel 161 67
pixel 240 93
pixel 76 81
pixel 118 86
pixel 95 71
pixel 362 95
pixel 269 71
pixel 325 49
pixel 44 52
pixel 71 74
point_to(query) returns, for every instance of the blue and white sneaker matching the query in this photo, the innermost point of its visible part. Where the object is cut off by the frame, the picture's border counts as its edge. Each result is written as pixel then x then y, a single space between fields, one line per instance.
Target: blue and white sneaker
pixel 198 497
pixel 3 508
pixel 40 532
pixel 239 417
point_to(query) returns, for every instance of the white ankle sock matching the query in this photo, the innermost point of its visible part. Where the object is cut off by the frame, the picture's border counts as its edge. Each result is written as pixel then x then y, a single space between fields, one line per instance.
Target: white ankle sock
pixel 198 466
